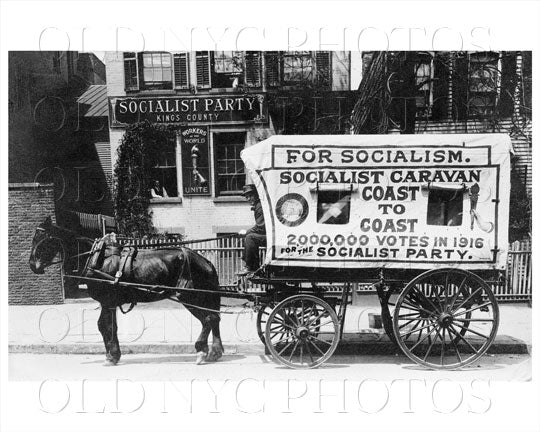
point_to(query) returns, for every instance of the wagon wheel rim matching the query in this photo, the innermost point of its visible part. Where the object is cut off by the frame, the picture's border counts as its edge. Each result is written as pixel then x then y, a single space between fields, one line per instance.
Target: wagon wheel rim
pixel 302 332
pixel 446 319
pixel 262 318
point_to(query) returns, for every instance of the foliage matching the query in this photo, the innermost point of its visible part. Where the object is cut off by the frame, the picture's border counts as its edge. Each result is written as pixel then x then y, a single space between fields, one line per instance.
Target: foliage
pixel 133 174
pixel 394 83
pixel 520 209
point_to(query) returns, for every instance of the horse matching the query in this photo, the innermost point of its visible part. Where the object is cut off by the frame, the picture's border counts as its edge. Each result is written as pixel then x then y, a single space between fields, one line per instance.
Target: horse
pixel 176 267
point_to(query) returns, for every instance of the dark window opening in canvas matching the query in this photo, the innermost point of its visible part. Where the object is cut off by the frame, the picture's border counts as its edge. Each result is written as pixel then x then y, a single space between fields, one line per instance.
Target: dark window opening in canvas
pixel 333 207
pixel 230 173
pixel 445 207
pixel 165 173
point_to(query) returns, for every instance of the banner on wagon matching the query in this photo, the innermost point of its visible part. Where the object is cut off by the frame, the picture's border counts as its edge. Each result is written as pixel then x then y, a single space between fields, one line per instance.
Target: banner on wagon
pixel 384 201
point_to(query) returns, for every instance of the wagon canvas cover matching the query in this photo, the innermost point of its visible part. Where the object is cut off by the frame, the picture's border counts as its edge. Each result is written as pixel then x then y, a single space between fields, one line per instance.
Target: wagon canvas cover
pixel 358 201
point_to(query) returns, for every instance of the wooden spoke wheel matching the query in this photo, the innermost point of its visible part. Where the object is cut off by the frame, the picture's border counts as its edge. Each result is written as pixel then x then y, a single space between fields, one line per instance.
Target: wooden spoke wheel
pixel 302 331
pixel 262 318
pixel 445 319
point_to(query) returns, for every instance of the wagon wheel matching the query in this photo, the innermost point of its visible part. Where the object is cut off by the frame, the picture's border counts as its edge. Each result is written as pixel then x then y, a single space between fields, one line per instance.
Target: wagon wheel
pixel 302 332
pixel 262 318
pixel 387 313
pixel 446 319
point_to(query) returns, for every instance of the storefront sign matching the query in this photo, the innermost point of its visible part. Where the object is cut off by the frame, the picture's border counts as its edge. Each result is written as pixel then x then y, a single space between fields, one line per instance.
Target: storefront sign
pixel 195 164
pixel 233 109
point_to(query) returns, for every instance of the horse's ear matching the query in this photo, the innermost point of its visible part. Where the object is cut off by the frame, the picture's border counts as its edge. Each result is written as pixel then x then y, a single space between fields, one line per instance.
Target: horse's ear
pixel 48 221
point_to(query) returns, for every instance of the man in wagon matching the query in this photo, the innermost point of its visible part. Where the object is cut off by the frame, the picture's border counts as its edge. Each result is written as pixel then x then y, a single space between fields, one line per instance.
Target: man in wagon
pixel 255 237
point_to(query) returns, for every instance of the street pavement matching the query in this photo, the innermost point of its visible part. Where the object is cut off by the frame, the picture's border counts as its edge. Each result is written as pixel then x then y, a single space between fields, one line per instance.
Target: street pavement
pixel 238 367
pixel 167 328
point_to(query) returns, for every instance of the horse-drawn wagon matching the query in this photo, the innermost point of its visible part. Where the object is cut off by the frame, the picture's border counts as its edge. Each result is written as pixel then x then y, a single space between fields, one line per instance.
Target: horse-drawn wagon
pixel 422 218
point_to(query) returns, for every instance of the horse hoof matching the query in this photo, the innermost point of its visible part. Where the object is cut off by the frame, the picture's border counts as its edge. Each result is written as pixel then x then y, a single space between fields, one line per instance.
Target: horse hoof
pixel 201 357
pixel 110 362
pixel 214 356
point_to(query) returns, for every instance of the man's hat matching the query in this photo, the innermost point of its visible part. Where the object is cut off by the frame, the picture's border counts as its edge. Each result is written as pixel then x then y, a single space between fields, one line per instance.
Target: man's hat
pixel 249 189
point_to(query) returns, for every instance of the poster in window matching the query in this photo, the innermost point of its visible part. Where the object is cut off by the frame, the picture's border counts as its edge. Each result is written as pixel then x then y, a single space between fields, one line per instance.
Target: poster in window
pixel 195 166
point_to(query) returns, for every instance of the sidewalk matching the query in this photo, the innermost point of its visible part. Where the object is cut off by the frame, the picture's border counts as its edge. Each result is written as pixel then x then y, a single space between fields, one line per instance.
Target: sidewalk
pixel 165 327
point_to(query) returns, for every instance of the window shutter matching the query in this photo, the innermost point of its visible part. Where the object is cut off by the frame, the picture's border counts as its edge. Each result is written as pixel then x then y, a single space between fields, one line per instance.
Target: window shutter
pixel 203 69
pixel 441 83
pixel 181 71
pixel 253 69
pixel 131 75
pixel 272 68
pixel 461 85
pixel 508 84
pixel 526 74
pixel 323 63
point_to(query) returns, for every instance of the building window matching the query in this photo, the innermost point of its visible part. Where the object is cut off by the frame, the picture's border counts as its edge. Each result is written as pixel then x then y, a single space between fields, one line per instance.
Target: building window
pixel 157 70
pixel 230 173
pixel 228 62
pixel 423 72
pixel 298 67
pixel 228 66
pixel 333 207
pixel 131 74
pixel 164 181
pixel 483 84
pixel 445 207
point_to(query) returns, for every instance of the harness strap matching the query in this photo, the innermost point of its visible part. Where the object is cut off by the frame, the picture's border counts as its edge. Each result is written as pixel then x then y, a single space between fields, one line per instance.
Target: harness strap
pixel 131 306
pixel 127 257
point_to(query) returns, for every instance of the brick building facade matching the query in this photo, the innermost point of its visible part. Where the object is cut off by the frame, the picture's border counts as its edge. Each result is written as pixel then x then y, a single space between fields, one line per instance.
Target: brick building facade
pixel 29 205
pixel 223 101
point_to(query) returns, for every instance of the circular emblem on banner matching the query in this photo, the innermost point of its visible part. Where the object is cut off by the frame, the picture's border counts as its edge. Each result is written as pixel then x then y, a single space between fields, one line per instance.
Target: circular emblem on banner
pixel 292 209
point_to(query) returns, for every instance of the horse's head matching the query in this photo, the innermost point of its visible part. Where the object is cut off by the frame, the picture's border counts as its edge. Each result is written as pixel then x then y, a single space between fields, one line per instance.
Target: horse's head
pixel 46 245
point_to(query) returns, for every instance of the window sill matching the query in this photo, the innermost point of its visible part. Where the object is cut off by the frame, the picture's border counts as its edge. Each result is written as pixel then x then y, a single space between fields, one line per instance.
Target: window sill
pixel 176 200
pixel 230 198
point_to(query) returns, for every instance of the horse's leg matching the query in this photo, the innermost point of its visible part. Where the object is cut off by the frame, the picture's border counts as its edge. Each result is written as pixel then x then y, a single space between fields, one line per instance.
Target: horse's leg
pixel 103 326
pixel 109 330
pixel 217 347
pixel 201 344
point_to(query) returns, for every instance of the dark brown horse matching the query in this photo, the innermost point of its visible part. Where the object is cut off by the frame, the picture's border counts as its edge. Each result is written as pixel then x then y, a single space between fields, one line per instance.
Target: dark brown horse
pixel 173 267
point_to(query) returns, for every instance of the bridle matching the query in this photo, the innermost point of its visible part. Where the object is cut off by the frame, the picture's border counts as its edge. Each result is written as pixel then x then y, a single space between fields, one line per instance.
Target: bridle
pixel 48 237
